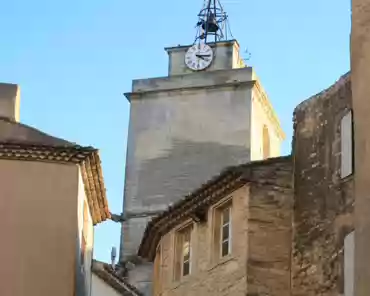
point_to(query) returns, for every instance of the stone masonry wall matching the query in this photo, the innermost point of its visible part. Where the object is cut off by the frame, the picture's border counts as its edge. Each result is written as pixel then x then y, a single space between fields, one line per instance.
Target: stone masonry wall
pixel 270 231
pixel 226 276
pixel 360 72
pixel 323 201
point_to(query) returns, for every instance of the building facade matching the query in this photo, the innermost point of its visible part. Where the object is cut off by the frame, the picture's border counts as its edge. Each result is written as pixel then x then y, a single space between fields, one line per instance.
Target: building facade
pixel 52 193
pixel 188 126
pixel 289 221
pixel 232 236
pixel 360 61
pixel 322 150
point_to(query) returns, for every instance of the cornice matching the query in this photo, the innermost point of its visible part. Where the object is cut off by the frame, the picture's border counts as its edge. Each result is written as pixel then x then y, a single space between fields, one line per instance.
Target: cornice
pixel 138 94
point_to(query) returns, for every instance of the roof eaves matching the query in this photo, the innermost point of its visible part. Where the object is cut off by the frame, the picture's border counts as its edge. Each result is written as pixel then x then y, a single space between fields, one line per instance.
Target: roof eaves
pixel 98 189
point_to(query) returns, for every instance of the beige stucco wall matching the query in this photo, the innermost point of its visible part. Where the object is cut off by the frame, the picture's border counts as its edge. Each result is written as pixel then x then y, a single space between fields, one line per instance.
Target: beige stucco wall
pixel 225 277
pixel 38 224
pixel 101 288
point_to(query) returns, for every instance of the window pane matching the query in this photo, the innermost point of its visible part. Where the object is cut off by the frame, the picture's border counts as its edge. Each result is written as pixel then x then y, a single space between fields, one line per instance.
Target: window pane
pixel 186 268
pixel 185 255
pixel 186 249
pixel 225 232
pixel 225 248
pixel 225 216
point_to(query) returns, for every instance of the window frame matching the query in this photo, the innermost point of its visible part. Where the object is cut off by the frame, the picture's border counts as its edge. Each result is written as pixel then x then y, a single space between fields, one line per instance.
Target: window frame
pixel 178 250
pixel 229 228
pixel 217 223
pixel 186 239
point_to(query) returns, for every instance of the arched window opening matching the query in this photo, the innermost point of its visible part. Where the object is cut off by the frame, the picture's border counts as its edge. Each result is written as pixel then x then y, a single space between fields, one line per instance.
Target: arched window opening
pixel 266 142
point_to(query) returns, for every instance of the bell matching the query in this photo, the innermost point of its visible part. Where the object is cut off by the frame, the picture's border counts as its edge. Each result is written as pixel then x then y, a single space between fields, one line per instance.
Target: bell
pixel 211 24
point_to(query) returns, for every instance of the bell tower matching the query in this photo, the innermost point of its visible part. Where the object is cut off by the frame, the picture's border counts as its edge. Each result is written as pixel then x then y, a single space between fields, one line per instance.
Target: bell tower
pixel 212 49
pixel 208 113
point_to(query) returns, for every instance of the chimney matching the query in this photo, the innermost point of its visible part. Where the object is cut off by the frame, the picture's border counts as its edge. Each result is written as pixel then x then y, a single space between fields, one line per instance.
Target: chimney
pixel 9 101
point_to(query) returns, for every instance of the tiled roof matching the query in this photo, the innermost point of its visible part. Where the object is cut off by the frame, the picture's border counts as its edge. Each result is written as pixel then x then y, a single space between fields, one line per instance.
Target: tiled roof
pixel 21 142
pixel 210 193
pixel 106 273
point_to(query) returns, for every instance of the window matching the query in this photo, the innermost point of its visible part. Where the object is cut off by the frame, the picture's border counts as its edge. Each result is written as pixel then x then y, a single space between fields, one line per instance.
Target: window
pixel 183 252
pixel 186 254
pixel 266 142
pixel 225 232
pixel 346 138
pixel 222 231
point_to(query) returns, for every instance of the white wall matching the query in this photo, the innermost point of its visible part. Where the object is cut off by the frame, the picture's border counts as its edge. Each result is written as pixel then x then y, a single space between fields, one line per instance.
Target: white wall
pixel 101 288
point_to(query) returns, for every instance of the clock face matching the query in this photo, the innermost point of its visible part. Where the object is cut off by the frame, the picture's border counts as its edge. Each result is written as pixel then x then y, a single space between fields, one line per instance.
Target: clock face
pixel 199 57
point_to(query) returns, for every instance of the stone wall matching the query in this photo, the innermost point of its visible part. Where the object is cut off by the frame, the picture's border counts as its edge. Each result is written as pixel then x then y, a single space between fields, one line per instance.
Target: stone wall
pixel 323 201
pixel 270 231
pixel 227 276
pixel 259 263
pixel 360 72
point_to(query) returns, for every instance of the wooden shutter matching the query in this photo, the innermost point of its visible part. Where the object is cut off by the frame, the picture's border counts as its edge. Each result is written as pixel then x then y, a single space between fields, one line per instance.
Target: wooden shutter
pixel 346 145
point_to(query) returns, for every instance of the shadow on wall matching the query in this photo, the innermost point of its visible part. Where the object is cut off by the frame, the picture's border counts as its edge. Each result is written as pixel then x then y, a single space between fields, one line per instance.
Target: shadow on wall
pixel 83 267
pixel 186 167
pixel 79 271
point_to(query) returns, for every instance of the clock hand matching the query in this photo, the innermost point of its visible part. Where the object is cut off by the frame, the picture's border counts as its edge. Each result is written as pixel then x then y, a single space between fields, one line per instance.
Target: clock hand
pixel 202 56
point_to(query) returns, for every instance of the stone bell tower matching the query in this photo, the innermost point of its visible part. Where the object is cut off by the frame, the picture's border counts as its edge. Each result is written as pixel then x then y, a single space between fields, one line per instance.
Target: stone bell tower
pixel 209 113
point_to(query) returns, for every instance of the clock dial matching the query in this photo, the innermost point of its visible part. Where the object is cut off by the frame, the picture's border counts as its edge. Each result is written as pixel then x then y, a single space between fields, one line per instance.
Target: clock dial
pixel 199 57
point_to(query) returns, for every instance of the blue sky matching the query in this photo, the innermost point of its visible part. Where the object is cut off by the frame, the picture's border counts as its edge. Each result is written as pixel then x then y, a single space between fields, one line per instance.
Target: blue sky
pixel 75 58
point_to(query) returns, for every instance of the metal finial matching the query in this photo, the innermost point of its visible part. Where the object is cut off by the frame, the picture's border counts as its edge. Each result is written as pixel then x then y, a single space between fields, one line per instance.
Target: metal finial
pixel 212 25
